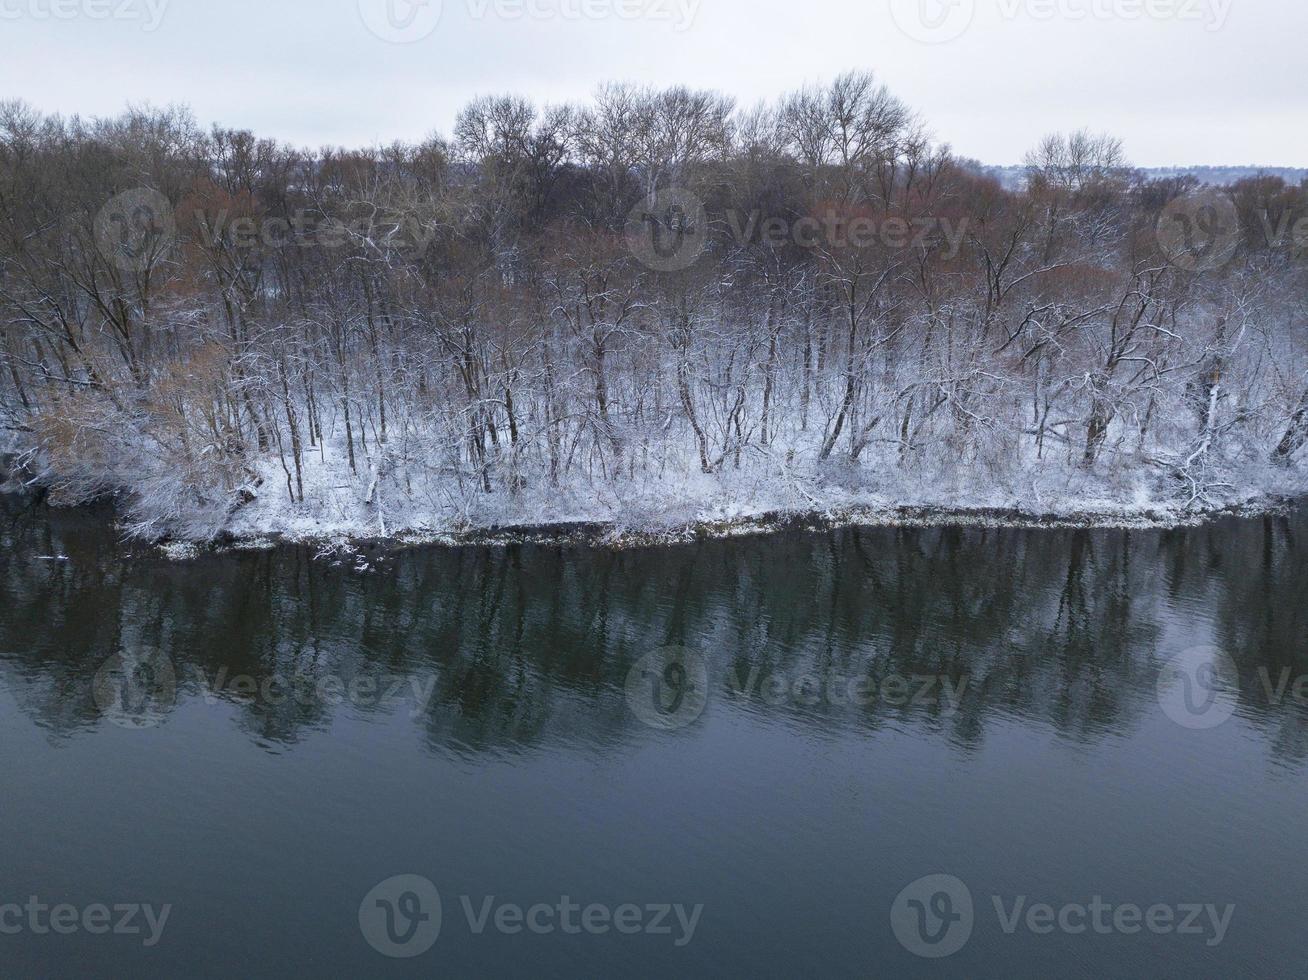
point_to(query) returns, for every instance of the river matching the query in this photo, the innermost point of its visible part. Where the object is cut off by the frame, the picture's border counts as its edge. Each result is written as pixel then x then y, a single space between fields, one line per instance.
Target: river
pixel 842 753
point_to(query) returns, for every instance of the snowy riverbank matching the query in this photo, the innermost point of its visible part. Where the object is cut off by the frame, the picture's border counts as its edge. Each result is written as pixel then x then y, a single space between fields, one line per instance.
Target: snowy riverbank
pixel 406 504
pixel 407 494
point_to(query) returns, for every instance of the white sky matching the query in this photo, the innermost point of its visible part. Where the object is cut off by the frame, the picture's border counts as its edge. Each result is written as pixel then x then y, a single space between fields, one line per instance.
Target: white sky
pixel 1199 82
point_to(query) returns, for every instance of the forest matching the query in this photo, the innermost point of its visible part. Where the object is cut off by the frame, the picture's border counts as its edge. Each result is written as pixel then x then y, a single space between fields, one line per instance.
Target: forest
pixel 654 308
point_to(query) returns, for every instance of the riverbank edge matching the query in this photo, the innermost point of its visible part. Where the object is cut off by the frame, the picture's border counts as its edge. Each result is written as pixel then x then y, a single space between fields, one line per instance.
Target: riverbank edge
pixel 615 537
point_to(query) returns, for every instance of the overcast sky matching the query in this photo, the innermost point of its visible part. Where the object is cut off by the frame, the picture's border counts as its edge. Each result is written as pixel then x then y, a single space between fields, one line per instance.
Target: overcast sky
pixel 1180 81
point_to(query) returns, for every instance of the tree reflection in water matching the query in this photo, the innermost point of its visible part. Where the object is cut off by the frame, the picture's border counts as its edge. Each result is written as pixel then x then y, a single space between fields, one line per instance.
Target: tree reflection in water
pixel 528 644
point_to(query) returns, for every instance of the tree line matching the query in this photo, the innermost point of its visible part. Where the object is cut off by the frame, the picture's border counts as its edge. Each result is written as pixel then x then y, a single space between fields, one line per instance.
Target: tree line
pixel 650 287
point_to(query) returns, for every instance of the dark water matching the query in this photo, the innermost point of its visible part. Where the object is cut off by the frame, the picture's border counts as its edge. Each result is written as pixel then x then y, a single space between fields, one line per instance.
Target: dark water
pixel 1016 741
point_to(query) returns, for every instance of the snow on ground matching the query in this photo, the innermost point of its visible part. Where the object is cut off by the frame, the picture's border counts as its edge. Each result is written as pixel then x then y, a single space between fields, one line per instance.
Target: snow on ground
pixel 415 502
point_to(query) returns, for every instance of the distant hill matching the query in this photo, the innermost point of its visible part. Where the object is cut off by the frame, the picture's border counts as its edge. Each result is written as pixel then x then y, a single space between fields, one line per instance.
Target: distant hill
pixel 1015 177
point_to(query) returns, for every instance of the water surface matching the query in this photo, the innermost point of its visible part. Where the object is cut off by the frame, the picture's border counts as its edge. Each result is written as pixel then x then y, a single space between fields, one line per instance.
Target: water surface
pixel 1016 741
